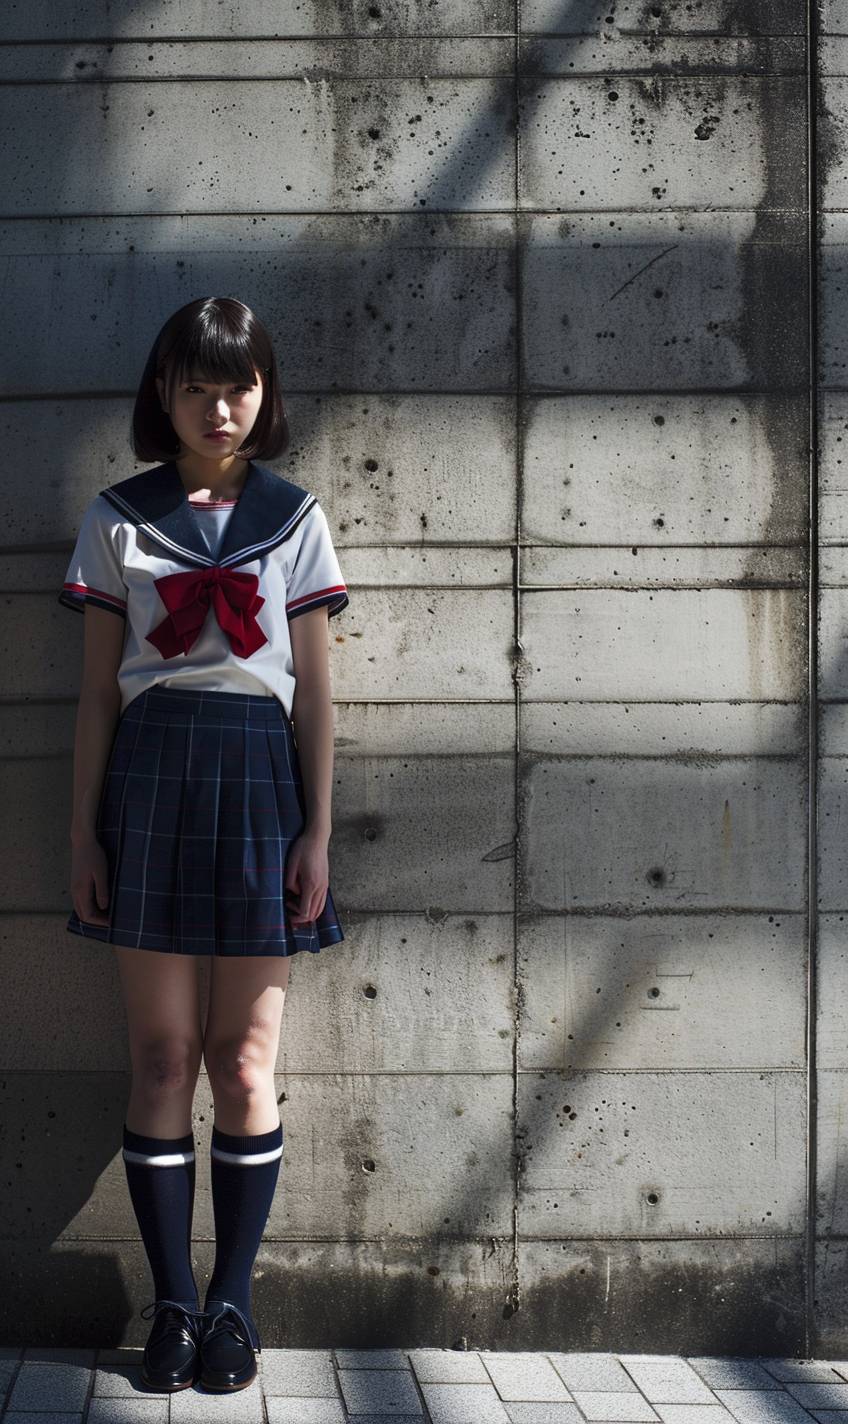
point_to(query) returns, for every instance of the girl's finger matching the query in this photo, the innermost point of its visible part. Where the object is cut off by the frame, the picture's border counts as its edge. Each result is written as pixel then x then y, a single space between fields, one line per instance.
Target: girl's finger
pixel 315 903
pixel 101 889
pixel 94 916
pixel 294 905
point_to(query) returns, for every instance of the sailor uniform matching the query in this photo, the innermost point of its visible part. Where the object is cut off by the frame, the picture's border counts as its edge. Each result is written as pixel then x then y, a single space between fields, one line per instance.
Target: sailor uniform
pixel 142 554
pixel 203 794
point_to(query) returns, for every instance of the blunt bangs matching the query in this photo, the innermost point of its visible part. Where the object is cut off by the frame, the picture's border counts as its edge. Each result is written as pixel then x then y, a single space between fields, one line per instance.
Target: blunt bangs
pixel 216 339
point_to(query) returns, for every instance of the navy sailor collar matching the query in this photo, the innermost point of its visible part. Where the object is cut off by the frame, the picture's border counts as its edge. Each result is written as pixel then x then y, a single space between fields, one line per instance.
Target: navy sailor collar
pixel 267 512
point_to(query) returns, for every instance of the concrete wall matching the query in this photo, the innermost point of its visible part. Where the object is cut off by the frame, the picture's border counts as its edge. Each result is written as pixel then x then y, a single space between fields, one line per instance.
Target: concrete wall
pixel 541 285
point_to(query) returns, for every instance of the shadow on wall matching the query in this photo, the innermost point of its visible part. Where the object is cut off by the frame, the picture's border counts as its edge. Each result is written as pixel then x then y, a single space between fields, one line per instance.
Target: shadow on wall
pixel 647 818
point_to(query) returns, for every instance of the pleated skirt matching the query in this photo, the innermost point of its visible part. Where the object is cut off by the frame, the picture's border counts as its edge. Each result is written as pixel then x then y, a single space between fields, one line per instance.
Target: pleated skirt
pixel 201 799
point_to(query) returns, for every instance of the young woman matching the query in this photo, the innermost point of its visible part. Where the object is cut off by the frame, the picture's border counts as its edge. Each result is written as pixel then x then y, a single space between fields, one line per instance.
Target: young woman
pixel 200 827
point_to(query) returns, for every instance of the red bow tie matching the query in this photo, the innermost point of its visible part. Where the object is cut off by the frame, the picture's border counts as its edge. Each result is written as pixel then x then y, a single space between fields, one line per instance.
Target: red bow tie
pixel 187 598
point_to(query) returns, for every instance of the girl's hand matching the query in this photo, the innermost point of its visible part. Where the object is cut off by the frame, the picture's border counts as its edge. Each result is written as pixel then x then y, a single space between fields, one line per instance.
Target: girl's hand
pixel 90 881
pixel 307 877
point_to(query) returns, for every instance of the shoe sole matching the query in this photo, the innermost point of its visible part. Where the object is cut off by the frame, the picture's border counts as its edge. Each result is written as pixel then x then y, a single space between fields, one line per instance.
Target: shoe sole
pixel 225 1388
pixel 218 1388
pixel 165 1387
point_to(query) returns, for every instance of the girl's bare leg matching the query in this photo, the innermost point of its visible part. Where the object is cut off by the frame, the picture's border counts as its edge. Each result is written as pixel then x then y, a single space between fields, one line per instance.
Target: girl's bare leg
pixel 163 1006
pixel 246 999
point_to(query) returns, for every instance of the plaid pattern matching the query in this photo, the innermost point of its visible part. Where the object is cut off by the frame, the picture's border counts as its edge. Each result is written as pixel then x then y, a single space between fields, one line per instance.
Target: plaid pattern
pixel 201 799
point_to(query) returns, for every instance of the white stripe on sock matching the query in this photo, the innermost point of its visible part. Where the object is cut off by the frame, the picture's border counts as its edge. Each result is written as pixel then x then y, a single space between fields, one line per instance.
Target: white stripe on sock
pixel 163 1159
pixel 247 1157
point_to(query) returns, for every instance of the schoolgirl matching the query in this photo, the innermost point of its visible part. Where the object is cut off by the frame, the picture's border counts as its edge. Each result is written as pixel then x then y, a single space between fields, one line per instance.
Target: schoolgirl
pixel 202 795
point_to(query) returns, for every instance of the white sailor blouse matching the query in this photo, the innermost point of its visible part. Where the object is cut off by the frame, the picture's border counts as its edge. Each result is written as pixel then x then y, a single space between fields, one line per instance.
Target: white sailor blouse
pixel 199 612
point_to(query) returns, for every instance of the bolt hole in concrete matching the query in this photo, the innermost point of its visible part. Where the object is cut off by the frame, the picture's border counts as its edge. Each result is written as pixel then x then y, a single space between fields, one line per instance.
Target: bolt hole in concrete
pixel 653 1198
pixel 368 1165
pixel 656 875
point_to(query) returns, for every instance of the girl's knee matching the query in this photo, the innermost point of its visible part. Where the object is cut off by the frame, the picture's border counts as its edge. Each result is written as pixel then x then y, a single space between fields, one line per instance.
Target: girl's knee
pixel 166 1067
pixel 240 1068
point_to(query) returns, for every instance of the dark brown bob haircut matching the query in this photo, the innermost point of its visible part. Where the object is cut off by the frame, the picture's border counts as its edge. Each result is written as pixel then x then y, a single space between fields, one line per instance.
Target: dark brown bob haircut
pixel 217 339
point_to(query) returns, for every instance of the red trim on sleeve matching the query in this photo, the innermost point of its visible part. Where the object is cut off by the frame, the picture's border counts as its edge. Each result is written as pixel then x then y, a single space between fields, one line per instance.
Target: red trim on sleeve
pixel 317 593
pixel 87 588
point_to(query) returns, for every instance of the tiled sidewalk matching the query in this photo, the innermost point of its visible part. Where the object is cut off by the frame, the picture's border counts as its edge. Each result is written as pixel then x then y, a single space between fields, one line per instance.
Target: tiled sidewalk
pixel 429 1386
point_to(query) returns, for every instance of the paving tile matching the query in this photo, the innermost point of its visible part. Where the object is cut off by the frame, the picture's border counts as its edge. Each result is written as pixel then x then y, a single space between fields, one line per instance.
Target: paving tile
pixel 694 1413
pixel 611 1406
pixel 732 1372
pixel 59 1355
pixel 463 1404
pixel 200 1406
pixel 123 1382
pixel 371 1359
pixel 820 1396
pixel 522 1374
pixel 830 1416
pixel 762 1406
pixel 298 1373
pixel 448 1366
pixel 380 1391
pixel 50 1386
pixel 312 1411
pixel 667 1379
pixel 797 1370
pixel 543 1413
pixel 582 1370
pixel 128 1411
pixel 841 1366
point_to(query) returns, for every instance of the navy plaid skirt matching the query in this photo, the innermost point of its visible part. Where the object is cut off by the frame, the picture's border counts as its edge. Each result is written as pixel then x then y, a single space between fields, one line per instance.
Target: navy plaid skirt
pixel 201 799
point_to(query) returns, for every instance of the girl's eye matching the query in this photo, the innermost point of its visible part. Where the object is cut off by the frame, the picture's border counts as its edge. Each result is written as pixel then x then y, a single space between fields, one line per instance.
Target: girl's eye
pixel 190 389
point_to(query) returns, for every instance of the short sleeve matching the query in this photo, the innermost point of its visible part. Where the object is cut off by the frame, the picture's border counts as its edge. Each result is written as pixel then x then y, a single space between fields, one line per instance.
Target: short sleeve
pixel 95 573
pixel 315 577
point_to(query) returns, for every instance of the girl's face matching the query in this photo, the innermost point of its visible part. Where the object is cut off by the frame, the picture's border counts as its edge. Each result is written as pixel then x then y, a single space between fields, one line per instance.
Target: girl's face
pixel 200 406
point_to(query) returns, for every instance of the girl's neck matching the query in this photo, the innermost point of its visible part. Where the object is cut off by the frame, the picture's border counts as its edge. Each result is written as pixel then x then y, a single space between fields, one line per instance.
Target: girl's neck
pixel 220 479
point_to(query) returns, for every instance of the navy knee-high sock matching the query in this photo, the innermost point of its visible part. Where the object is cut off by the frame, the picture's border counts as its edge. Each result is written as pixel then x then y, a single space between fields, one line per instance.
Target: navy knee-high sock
pixel 160 1175
pixel 244 1174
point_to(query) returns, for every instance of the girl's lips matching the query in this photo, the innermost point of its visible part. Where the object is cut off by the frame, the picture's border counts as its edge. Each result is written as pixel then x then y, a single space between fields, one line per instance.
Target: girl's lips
pixel 216 435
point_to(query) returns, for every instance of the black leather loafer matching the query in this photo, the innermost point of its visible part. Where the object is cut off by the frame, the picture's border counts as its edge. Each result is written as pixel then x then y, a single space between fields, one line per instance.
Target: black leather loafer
pixel 171 1358
pixel 227 1345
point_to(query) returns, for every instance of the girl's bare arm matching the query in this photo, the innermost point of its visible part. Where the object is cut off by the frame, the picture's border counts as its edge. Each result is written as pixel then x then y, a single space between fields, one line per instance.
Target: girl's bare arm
pixel 307 866
pixel 97 714
pixel 312 714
